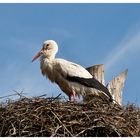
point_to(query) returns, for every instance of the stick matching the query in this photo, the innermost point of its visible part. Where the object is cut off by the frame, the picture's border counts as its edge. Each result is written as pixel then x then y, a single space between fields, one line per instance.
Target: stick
pixel 61 123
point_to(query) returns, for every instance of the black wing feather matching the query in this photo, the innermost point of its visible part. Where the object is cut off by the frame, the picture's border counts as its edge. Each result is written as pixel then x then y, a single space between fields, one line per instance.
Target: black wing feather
pixel 90 82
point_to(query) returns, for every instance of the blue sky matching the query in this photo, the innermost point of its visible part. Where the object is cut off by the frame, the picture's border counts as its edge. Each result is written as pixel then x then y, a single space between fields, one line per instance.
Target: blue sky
pixel 87 34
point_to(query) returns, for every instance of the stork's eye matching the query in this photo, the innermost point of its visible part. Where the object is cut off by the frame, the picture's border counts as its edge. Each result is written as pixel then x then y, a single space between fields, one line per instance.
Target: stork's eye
pixel 47 45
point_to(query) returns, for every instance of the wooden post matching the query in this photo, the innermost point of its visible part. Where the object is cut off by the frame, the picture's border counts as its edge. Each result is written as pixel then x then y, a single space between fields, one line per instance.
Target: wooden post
pixel 116 85
pixel 97 71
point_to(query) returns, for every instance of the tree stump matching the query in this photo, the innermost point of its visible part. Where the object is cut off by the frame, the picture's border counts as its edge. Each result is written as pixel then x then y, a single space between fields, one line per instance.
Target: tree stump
pixel 97 71
pixel 116 85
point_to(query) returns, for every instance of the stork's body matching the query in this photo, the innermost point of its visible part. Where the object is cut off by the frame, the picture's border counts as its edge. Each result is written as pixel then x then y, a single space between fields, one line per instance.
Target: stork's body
pixel 57 70
pixel 72 78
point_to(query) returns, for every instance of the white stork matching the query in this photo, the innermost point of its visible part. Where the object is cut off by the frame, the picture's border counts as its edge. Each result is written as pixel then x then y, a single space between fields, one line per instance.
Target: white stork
pixel 72 78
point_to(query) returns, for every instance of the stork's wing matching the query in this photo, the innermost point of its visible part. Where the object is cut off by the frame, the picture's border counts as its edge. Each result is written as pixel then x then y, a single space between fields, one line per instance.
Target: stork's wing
pixel 65 68
pixel 90 82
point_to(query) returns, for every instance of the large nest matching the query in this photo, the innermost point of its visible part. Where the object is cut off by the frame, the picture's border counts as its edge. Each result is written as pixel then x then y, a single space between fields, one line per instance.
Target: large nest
pixel 54 117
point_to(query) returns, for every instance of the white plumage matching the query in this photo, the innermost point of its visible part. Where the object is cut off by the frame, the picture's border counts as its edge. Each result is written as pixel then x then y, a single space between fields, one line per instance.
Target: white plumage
pixel 72 78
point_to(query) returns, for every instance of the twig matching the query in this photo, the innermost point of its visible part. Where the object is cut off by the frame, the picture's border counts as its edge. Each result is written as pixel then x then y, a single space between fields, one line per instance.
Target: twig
pixel 3 124
pixel 33 134
pixel 20 93
pixel 56 97
pixel 90 128
pixel 8 95
pixel 13 129
pixel 62 123
pixel 54 134
pixel 115 130
pixel 87 116
pixel 42 95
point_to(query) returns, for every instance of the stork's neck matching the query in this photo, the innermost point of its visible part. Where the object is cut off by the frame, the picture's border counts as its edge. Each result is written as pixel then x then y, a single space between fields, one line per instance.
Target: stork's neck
pixel 48 57
pixel 51 57
pixel 47 65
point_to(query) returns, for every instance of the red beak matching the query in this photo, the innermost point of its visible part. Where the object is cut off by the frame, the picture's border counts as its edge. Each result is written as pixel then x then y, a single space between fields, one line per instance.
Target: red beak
pixel 38 55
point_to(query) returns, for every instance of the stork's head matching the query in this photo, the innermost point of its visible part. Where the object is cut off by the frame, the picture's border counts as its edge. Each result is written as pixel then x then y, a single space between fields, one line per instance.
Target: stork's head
pixel 49 50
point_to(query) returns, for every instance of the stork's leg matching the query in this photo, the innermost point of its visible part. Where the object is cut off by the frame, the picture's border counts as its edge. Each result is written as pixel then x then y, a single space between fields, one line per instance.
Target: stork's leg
pixel 74 96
